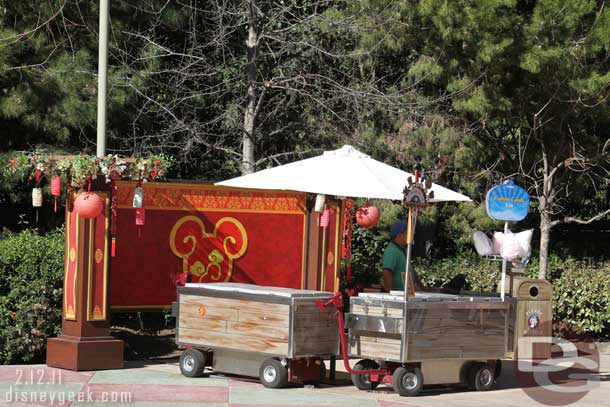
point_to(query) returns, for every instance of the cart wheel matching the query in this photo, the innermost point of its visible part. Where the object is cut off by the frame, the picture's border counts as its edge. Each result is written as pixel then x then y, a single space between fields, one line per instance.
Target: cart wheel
pixel 273 374
pixel 407 381
pixel 498 370
pixel 363 381
pixel 480 377
pixel 192 363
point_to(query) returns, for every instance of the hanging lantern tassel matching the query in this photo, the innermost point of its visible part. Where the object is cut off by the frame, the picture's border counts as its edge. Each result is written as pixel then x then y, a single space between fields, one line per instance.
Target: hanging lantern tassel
pixel 140 219
pixel 113 247
pixel 325 218
pixel 55 190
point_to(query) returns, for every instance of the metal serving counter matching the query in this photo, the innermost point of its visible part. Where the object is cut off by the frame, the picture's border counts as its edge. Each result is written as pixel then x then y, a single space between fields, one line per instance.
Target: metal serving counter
pixel 438 326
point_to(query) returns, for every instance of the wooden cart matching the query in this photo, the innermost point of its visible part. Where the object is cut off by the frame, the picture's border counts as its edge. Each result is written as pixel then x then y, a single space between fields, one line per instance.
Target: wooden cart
pixel 431 339
pixel 276 334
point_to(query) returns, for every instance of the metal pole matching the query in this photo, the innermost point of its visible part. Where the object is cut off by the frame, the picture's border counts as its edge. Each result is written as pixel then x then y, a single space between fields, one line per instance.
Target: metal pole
pixel 102 79
pixel 504 263
pixel 411 222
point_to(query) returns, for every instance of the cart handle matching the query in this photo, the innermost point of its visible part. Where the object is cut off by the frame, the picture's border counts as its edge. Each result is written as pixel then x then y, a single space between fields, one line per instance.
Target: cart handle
pixel 337 301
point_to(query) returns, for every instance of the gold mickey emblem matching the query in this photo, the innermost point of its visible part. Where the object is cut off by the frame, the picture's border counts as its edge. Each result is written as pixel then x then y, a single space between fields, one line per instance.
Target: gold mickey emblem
pixel 218 264
pixel 99 256
pixel 72 254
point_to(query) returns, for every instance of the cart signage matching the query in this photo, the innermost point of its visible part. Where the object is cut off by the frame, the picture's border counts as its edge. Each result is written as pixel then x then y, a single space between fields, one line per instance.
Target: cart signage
pixel 507 202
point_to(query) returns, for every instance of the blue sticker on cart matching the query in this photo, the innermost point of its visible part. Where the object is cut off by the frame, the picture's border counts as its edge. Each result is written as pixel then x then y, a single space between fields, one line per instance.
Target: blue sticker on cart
pixel 507 202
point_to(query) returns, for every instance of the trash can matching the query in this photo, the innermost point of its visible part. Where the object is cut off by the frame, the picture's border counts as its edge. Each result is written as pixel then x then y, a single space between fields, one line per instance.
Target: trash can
pixel 534 319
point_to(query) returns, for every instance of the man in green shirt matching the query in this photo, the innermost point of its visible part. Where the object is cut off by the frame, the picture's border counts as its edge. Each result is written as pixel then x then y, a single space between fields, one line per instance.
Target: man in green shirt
pixel 395 260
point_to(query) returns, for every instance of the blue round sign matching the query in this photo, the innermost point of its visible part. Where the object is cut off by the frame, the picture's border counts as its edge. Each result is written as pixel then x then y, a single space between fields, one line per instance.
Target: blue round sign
pixel 507 202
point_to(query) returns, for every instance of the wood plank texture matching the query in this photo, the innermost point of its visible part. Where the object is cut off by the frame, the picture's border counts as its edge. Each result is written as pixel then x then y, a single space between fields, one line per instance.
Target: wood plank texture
pixel 234 324
pixel 375 346
pixel 315 332
pixel 232 341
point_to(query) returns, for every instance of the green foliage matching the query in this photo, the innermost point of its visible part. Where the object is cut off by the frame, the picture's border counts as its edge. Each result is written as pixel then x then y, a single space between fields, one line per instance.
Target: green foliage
pixel 368 245
pixel 481 275
pixel 31 275
pixel 580 297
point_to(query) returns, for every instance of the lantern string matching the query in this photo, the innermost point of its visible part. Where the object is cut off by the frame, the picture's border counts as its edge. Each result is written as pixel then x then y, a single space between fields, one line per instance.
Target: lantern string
pixel 113 215
pixel 347 233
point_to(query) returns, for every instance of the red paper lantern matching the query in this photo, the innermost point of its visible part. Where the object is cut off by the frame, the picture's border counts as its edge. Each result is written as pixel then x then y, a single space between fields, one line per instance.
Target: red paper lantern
pixel 56 186
pixel 367 216
pixel 325 218
pixel 88 205
pixel 56 189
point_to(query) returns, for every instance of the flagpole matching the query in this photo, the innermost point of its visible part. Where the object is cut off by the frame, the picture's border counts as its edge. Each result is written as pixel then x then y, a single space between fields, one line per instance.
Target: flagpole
pixel 102 79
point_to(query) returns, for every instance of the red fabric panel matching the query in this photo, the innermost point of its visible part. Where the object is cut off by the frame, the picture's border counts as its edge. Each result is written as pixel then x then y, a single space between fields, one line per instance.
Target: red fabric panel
pixel 262 248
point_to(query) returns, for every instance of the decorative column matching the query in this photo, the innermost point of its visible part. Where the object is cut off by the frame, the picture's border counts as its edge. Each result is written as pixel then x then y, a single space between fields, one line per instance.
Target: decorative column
pixel 85 342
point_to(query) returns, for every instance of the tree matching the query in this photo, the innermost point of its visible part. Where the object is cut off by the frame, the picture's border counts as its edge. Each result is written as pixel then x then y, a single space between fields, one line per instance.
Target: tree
pixel 530 80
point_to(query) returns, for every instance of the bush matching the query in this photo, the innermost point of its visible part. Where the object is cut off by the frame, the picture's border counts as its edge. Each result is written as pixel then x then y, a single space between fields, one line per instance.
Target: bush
pixel 481 274
pixel 581 298
pixel 31 276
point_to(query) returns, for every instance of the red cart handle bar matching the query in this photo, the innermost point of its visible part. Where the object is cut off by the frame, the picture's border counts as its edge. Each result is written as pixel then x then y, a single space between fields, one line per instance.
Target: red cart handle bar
pixel 337 301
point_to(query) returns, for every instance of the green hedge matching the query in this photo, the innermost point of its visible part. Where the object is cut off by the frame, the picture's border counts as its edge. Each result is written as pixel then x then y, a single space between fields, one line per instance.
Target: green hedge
pixel 31 272
pixel 581 298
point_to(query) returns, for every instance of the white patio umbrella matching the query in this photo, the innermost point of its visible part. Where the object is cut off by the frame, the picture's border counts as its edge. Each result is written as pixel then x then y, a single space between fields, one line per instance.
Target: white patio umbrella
pixel 343 172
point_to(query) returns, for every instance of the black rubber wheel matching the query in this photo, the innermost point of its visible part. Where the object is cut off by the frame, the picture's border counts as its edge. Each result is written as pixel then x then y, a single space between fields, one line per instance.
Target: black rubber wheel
pixel 498 370
pixel 481 377
pixel 192 363
pixel 273 374
pixel 407 381
pixel 363 381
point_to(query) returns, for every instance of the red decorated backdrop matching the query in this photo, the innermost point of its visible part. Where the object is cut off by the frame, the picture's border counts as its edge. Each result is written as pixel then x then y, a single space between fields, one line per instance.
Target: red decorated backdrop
pixel 213 233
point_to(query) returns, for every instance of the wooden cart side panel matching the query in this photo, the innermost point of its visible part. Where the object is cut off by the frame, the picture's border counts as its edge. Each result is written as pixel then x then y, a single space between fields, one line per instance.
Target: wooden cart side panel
pixel 314 332
pixel 473 330
pixel 375 345
pixel 462 333
pixel 375 310
pixel 225 340
pixel 241 305
pixel 261 317
pixel 234 324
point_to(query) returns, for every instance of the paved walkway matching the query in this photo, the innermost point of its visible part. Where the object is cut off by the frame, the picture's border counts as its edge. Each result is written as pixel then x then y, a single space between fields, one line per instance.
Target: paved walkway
pixel 162 385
